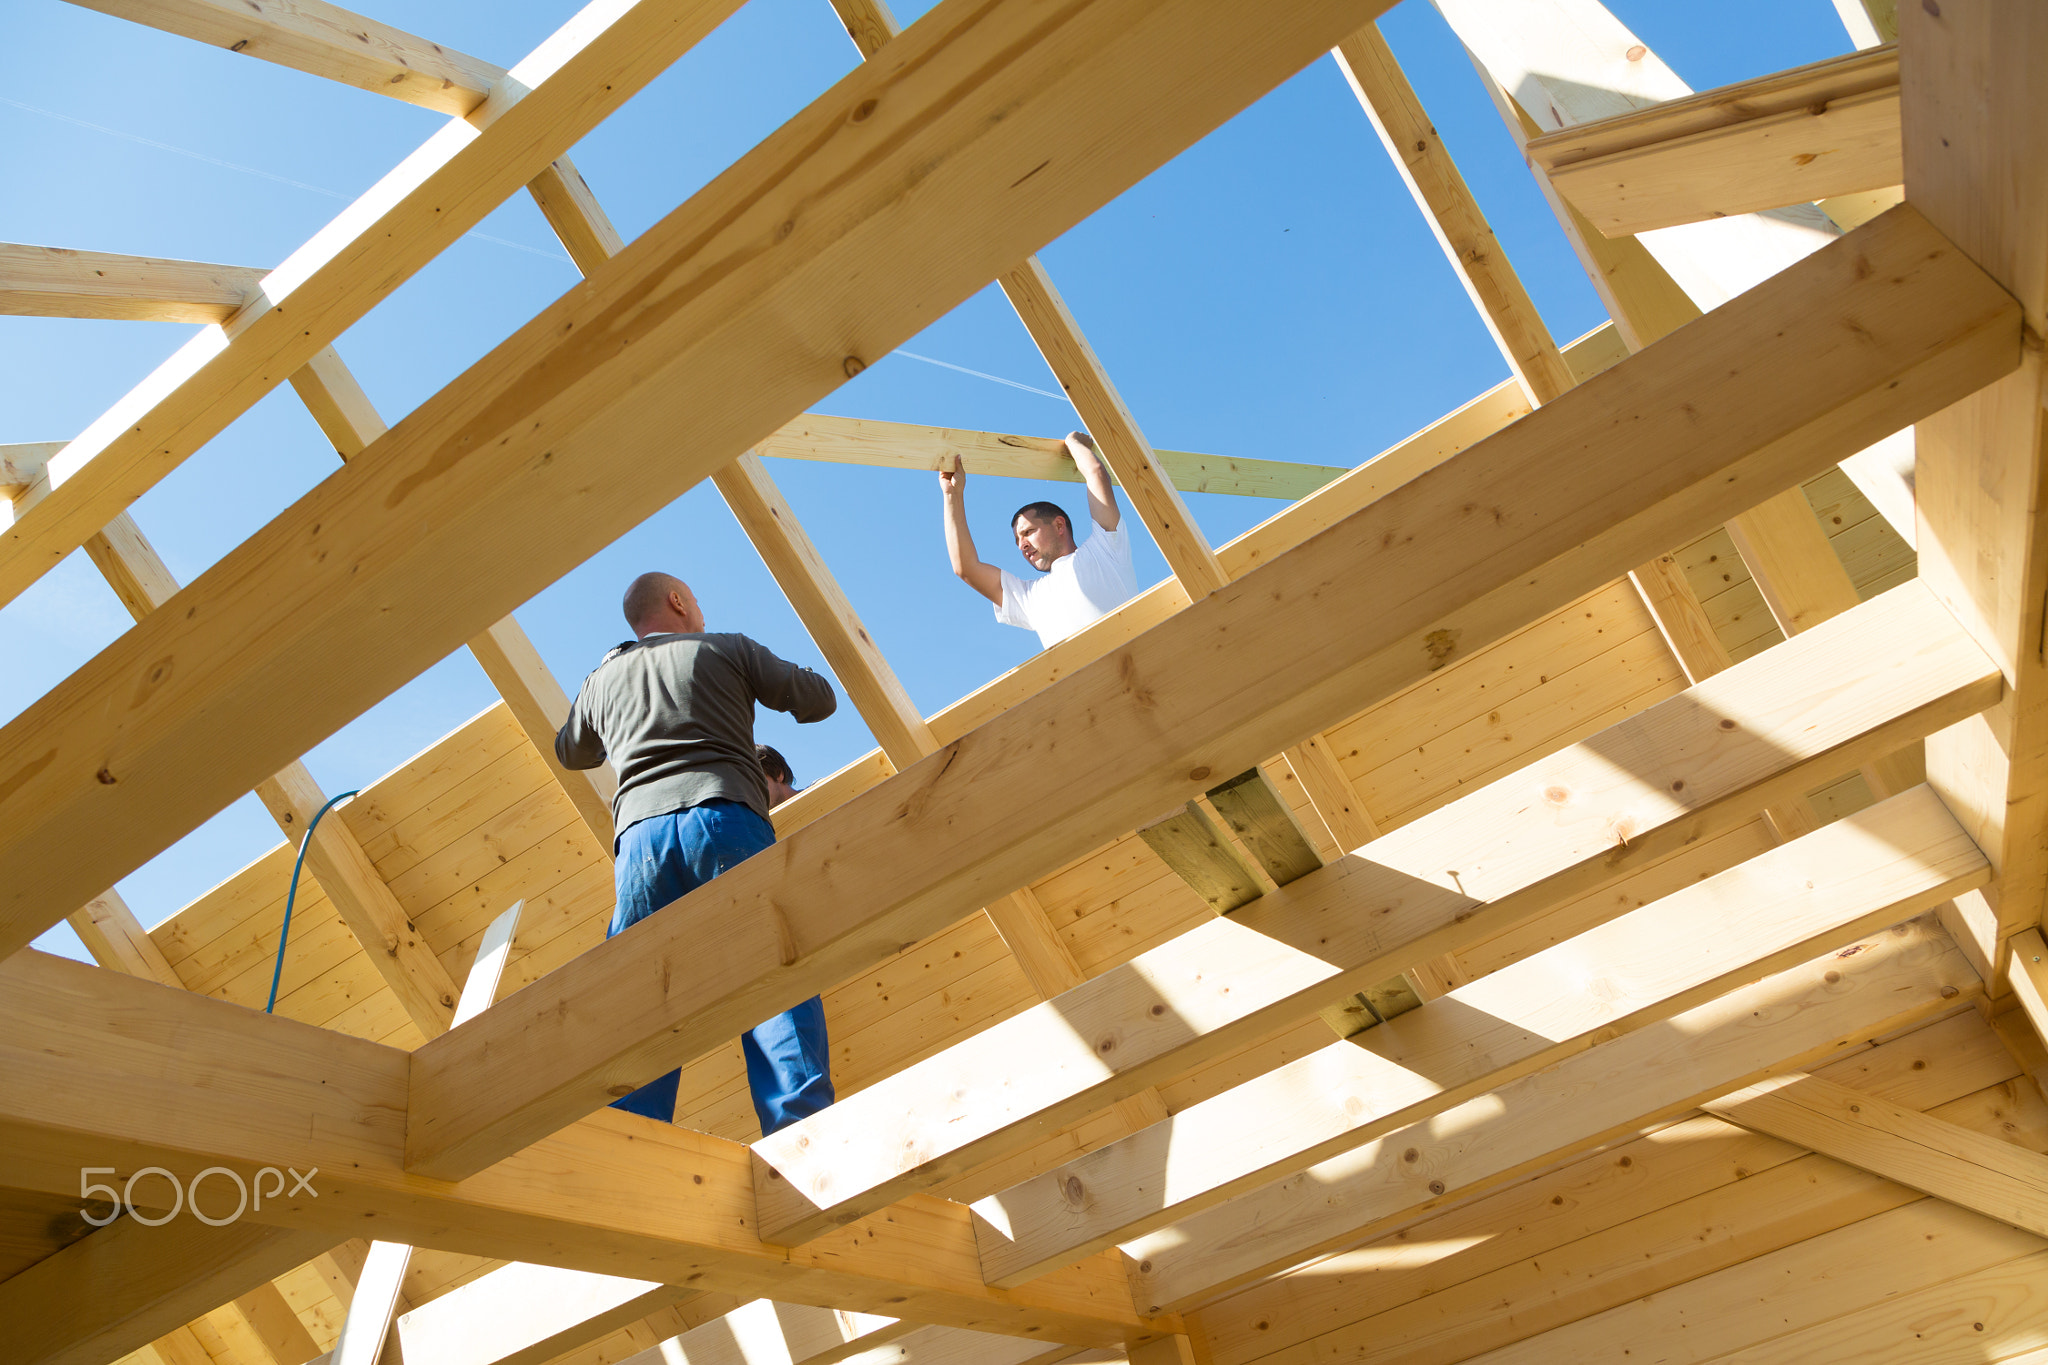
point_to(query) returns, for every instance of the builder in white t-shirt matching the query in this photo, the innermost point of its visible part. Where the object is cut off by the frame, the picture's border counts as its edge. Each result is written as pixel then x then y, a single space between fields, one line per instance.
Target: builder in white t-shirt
pixel 1079 584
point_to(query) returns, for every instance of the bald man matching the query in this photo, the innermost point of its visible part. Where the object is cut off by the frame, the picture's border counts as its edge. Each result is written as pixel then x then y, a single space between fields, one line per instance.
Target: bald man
pixel 674 709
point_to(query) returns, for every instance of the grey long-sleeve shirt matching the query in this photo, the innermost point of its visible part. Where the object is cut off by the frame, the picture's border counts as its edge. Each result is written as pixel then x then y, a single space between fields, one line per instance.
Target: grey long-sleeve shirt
pixel 676 714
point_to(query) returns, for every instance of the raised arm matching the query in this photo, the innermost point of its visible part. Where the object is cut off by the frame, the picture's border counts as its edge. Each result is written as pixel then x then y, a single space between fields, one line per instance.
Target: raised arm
pixel 985 579
pixel 1101 493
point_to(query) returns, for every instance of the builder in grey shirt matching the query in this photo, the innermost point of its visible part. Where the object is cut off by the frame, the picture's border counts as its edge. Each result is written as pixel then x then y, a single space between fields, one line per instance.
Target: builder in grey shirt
pixel 674 709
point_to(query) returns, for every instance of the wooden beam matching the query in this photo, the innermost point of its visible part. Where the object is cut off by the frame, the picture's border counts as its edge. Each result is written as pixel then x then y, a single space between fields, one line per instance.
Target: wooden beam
pixel 148 1076
pixel 1448 206
pixel 866 1347
pixel 116 939
pixel 1907 1285
pixel 121 1288
pixel 1570 63
pixel 1264 823
pixel 1812 132
pixel 22 463
pixel 1607 1227
pixel 901 445
pixel 337 860
pixel 1906 974
pixel 2026 968
pixel 764 1332
pixel 325 40
pixel 523 1314
pixel 1412 578
pixel 871 684
pixel 1699 764
pixel 1856 877
pixel 1997 1179
pixel 135 1260
pixel 1490 281
pixel 261 1328
pixel 440 192
pixel 1977 158
pixel 377 1281
pixel 1202 855
pixel 56 282
pixel 1103 412
pixel 1173 1350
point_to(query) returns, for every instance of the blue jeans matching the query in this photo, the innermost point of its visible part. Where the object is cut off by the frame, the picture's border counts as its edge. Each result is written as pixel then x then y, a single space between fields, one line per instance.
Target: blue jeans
pixel 663 858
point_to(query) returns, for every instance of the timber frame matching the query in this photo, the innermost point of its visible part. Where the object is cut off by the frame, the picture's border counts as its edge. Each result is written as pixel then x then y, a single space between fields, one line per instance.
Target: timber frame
pixel 1521 901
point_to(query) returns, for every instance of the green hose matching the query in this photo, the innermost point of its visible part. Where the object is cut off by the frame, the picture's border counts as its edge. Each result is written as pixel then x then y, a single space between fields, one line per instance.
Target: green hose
pixel 277 971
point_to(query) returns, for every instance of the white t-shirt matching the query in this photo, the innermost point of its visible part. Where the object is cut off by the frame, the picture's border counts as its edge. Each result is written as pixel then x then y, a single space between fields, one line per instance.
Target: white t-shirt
pixel 1080 589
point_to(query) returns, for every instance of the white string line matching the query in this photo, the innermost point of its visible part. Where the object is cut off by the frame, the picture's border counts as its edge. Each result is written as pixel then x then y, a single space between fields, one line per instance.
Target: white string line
pixel 251 170
pixel 992 378
pixel 481 236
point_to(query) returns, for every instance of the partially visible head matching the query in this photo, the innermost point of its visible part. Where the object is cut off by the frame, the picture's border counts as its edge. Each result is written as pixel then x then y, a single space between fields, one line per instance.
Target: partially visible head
pixel 662 604
pixel 1044 534
pixel 774 767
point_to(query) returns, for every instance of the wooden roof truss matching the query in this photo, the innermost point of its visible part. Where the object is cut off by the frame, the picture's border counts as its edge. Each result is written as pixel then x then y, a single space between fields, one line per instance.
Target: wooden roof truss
pixel 1413 973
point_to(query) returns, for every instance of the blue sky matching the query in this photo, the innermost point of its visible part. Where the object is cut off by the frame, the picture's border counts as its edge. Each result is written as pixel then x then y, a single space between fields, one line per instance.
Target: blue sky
pixel 1272 292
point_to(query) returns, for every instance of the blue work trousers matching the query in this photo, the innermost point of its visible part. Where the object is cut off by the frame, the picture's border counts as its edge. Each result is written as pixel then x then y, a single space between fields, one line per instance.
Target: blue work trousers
pixel 661 859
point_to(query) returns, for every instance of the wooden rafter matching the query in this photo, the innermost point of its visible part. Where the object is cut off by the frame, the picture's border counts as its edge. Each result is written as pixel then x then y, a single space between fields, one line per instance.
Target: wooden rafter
pixel 1994 1178
pixel 1794 137
pixel 56 282
pixel 1973 138
pixel 1609 1090
pixel 1849 880
pixel 901 445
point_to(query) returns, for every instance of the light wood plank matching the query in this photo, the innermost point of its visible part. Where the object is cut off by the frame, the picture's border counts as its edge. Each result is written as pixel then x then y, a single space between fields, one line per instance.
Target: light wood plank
pixel 57 282
pixel 262 1328
pixel 525 1314
pixel 1975 134
pixel 127 1285
pixel 1830 128
pixel 116 939
pixel 1611 1089
pixel 1447 205
pixel 901 445
pixel 325 40
pixel 1607 1227
pixel 1854 878
pixel 1800 1294
pixel 1979 1173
